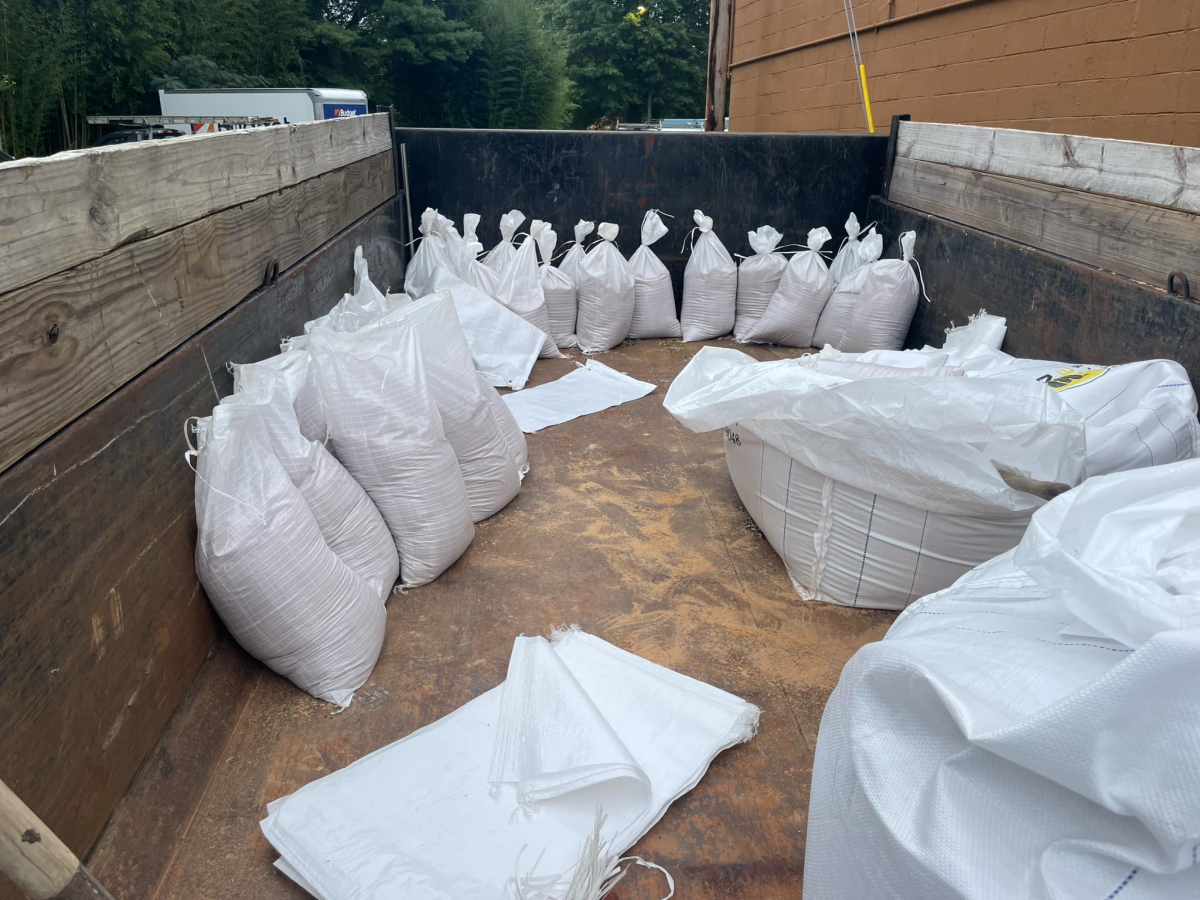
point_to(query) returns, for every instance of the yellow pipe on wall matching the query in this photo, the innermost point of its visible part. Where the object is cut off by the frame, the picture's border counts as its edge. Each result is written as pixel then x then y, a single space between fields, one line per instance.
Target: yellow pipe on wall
pixel 862 74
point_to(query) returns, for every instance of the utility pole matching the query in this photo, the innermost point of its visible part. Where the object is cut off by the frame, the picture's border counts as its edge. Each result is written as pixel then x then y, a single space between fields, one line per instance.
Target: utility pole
pixel 720 54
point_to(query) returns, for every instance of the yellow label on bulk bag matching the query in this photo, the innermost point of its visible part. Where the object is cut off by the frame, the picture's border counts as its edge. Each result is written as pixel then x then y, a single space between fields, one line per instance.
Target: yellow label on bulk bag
pixel 1066 378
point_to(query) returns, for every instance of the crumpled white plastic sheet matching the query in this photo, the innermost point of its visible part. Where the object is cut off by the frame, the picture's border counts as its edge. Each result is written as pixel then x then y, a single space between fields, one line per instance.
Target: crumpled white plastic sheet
pixel 497 799
pixel 588 389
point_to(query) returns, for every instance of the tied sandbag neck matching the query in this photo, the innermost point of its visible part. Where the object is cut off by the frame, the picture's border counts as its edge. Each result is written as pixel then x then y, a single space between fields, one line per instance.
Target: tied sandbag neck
pixel 857 235
pixel 704 224
pixel 908 242
pixel 653 229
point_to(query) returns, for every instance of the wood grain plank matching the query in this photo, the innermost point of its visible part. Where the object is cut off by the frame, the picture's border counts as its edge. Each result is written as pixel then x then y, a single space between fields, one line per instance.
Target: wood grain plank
pixel 68 341
pixel 1138 240
pixel 1150 173
pixel 64 210
pixel 103 624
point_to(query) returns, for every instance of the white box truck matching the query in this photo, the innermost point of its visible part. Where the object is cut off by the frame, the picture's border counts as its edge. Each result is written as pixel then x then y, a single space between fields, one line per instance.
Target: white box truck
pixel 286 105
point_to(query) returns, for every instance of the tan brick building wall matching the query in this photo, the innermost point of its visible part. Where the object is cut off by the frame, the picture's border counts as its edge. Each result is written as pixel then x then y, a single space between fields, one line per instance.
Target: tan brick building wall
pixel 1110 68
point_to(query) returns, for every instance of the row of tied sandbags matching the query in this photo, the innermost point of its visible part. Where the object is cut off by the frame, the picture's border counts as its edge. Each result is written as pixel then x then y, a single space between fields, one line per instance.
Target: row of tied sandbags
pixel 362 454
pixel 595 299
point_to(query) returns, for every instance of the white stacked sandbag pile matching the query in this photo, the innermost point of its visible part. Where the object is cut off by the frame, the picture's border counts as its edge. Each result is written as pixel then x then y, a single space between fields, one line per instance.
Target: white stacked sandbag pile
pixel 576 252
pixel 758 279
pixel 880 301
pixel 293 555
pixel 432 252
pixel 709 286
pixel 520 288
pixel 876 484
pixel 848 294
pixel 533 789
pixel 791 316
pixel 848 260
pixel 606 294
pixel 562 296
pixel 385 428
pixel 653 295
pixel 1031 731
pixel 504 251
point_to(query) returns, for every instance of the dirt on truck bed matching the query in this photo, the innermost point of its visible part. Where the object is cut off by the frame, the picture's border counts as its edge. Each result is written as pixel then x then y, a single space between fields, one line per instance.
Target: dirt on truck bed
pixel 628 525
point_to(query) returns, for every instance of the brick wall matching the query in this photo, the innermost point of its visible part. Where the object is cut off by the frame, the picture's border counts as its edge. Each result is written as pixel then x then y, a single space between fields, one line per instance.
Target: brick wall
pixel 1111 68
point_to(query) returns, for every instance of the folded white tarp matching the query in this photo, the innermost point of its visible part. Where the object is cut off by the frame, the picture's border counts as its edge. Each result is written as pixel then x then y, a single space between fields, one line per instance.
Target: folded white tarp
pixel 588 389
pixel 500 796
pixel 1031 731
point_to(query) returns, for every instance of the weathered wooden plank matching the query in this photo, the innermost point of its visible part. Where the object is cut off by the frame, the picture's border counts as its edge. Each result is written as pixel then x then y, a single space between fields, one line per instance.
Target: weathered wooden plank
pixel 67 341
pixel 102 622
pixel 63 210
pixel 1150 173
pixel 1138 240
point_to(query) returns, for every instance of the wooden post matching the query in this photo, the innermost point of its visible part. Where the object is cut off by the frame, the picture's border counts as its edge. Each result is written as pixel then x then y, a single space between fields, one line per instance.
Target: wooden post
pixel 720 50
pixel 36 861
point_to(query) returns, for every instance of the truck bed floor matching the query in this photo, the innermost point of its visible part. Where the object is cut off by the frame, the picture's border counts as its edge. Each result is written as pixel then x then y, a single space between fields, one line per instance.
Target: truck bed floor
pixel 627 525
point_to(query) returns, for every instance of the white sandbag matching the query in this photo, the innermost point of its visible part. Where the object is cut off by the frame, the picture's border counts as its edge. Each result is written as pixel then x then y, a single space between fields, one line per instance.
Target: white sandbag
pixel 981 330
pixel 499 798
pixel 384 427
pixel 431 253
pixel 514 437
pixel 270 573
pixel 846 297
pixel 504 251
pixel 470 241
pixel 294 367
pixel 484 455
pixel 585 390
pixel 709 286
pixel 653 295
pixel 1031 731
pixel 758 279
pixel 791 317
pixel 562 296
pixel 886 303
pixel 606 294
pixel 847 260
pixel 520 289
pixel 575 253
pixel 503 345
pixel 365 303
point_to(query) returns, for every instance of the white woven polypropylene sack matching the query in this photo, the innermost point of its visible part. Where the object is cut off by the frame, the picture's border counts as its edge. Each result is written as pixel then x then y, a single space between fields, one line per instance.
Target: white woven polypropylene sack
pixel 500 255
pixel 653 295
pixel 274 580
pixel 514 437
pixel 363 304
pixel 839 311
pixel 575 253
pixel 1031 731
pixel 981 330
pixel 606 295
pixel 709 286
pixel 791 316
pixel 886 303
pixel 295 368
pixel 562 296
pixel 431 253
pixel 384 427
pixel 847 260
pixel 758 278
pixel 520 289
pixel 484 456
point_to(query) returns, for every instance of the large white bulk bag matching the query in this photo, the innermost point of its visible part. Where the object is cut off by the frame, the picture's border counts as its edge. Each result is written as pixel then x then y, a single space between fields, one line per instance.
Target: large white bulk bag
pixel 575 253
pixel 791 316
pixel 520 288
pixel 562 296
pixel 1031 731
pixel 848 294
pixel 886 303
pixel 606 295
pixel 653 295
pixel 384 427
pixel 504 251
pixel 758 279
pixel 847 260
pixel 709 286
pixel 431 253
pixel 484 456
pixel 274 580
pixel 514 437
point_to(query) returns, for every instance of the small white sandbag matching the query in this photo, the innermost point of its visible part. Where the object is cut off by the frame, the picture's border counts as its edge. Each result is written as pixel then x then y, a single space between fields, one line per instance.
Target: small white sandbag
pixel 504 251
pixel 605 294
pixel 981 330
pixel 562 296
pixel 280 589
pixel 520 288
pixel 886 305
pixel 847 259
pixel 471 242
pixel 758 278
pixel 294 367
pixel 835 318
pixel 653 295
pixel 791 316
pixel 709 286
pixel 431 252
pixel 575 253
pixel 365 303
pixel 384 427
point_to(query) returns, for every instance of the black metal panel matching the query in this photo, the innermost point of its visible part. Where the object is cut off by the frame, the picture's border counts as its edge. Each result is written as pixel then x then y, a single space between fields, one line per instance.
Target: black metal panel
pixel 1056 308
pixel 791 181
